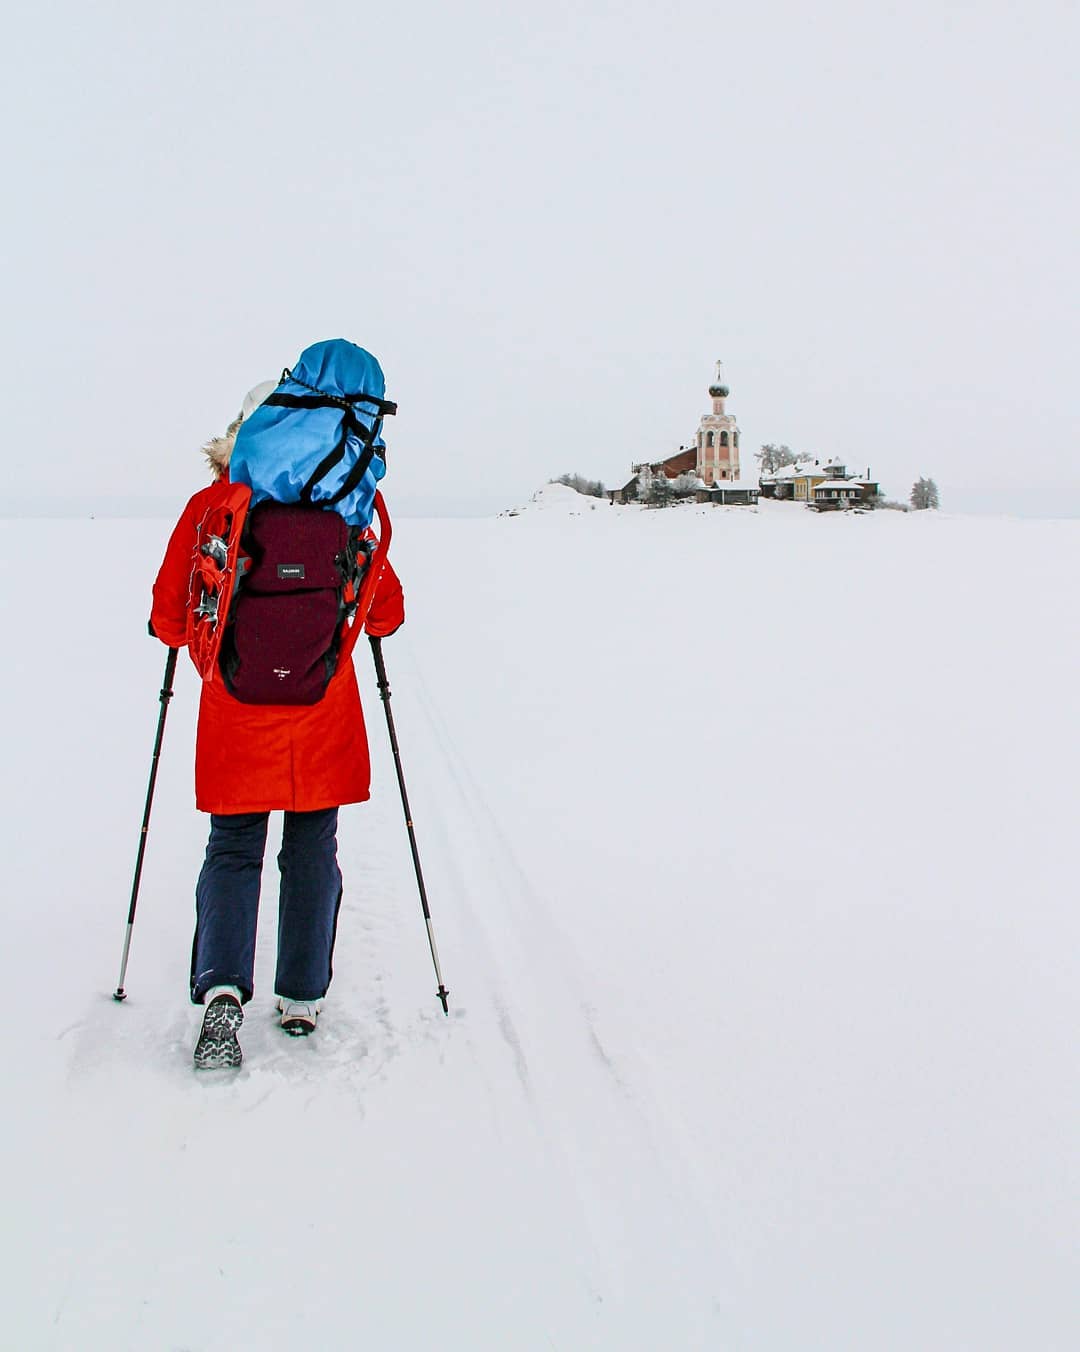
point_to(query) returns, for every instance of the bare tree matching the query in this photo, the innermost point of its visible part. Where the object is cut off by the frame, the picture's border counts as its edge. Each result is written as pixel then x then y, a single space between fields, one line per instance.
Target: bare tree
pixel 772 457
pixel 924 495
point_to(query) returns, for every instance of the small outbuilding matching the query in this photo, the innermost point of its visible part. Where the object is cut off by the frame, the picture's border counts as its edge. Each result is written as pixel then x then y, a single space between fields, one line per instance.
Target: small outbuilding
pixel 733 494
pixel 628 492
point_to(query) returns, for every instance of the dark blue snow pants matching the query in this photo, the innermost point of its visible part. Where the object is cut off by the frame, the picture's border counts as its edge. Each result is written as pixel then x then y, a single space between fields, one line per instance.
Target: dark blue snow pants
pixel 227 904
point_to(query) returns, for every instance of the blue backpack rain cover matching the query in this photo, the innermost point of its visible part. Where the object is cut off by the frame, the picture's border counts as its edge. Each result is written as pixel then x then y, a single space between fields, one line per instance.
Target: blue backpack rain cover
pixel 317 439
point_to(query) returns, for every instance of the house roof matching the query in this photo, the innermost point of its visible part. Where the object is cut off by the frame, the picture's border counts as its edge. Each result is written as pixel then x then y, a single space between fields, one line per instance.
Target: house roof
pixel 804 468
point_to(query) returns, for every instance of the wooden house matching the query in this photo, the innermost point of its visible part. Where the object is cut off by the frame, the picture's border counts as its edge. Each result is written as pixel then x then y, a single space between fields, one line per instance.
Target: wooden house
pixel 836 494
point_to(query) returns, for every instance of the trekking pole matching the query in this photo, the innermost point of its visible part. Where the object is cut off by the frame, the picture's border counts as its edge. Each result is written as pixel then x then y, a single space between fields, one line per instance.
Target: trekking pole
pixel 384 695
pixel 166 695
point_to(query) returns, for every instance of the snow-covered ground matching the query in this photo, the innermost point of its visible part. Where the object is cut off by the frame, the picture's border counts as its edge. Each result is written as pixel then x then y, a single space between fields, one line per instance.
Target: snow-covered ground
pixel 749 841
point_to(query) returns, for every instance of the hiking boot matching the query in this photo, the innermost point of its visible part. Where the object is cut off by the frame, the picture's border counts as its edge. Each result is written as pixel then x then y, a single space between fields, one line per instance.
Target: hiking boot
pixel 298 1017
pixel 217 1047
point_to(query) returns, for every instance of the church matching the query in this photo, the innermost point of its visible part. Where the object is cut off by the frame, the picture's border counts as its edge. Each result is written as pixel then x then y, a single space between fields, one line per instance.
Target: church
pixel 712 458
pixel 717 449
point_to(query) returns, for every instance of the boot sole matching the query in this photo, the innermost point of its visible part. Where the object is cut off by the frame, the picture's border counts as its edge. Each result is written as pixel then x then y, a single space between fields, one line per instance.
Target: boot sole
pixel 297 1025
pixel 217 1047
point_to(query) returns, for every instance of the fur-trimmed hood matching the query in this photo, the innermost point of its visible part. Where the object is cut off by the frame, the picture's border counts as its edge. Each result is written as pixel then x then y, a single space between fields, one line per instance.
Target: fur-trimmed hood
pixel 218 450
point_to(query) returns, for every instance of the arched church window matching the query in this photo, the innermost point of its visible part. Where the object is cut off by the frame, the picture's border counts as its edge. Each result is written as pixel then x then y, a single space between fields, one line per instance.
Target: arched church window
pixel 708 439
pixel 736 440
pixel 723 438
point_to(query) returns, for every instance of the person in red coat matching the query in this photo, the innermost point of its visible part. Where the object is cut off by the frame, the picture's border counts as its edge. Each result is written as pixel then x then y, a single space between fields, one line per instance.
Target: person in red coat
pixel 250 760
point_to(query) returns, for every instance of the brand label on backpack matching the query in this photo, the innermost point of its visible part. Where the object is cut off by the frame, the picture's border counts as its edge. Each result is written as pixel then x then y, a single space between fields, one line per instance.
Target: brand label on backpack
pixel 290 570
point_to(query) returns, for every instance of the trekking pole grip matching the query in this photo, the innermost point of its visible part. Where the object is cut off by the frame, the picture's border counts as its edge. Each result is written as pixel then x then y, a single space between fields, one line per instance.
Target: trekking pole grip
pixel 380 666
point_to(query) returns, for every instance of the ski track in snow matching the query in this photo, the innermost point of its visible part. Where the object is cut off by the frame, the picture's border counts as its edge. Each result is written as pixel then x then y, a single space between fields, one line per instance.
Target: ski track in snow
pixel 555 985
pixel 531 983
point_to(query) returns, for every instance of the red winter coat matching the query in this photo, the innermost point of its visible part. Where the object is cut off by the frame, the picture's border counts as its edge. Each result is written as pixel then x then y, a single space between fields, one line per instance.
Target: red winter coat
pixel 261 757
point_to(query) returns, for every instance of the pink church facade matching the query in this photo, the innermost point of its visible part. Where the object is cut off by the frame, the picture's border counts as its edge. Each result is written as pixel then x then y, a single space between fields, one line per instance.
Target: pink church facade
pixel 718 437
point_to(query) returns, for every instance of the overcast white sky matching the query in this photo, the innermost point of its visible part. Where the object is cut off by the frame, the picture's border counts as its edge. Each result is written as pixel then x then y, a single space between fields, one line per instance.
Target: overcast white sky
pixel 547 221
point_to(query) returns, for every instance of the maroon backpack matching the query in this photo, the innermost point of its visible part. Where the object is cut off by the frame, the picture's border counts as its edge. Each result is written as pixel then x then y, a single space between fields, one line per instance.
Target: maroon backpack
pixel 298 580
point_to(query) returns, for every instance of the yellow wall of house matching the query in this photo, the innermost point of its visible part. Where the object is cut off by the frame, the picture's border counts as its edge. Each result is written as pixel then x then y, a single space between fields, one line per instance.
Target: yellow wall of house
pixel 804 486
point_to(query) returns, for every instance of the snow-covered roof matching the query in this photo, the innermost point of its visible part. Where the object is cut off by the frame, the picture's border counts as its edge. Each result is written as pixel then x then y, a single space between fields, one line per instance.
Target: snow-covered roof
pixel 795 471
pixel 837 483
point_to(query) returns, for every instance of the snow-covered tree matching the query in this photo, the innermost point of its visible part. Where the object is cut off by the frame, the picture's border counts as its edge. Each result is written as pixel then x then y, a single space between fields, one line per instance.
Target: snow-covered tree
pixel 772 457
pixel 924 494
pixel 655 489
pixel 685 484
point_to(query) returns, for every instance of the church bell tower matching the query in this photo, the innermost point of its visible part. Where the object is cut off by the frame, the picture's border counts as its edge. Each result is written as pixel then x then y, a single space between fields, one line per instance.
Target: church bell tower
pixel 718 436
